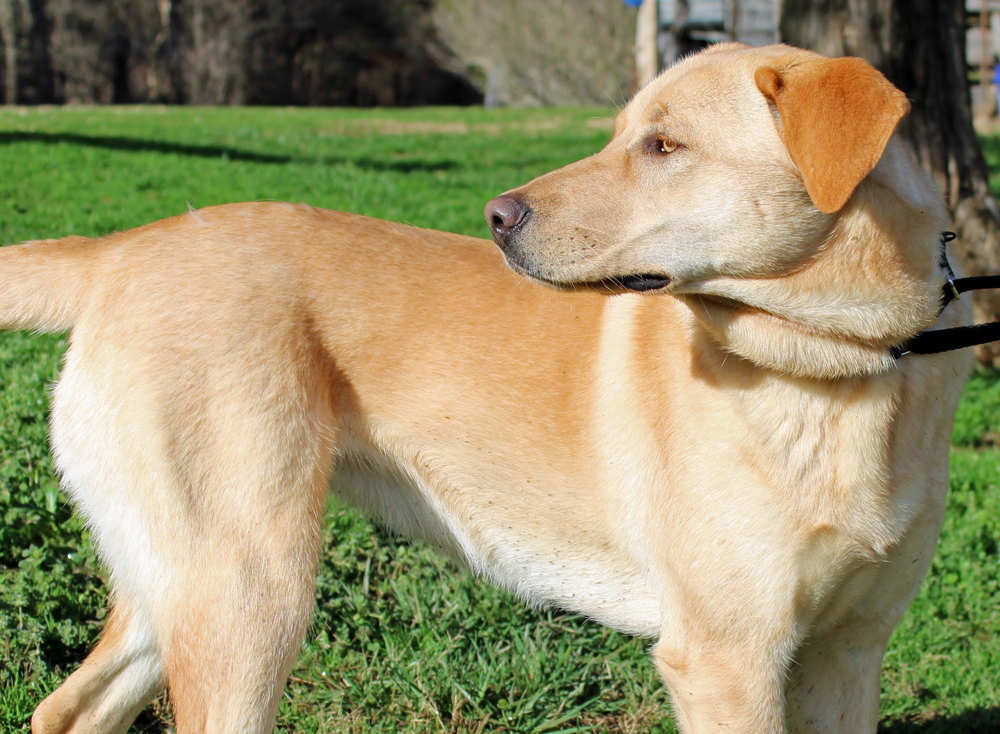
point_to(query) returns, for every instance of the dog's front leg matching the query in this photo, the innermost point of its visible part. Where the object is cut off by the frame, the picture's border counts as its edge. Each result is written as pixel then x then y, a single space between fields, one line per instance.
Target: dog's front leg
pixel 835 683
pixel 725 682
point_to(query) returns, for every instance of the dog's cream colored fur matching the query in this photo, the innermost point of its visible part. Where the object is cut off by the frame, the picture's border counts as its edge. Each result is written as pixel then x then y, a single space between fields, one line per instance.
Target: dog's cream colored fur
pixel 733 467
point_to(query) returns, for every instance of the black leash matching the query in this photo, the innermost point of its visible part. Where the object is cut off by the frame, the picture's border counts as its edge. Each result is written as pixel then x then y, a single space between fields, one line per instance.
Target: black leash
pixel 959 337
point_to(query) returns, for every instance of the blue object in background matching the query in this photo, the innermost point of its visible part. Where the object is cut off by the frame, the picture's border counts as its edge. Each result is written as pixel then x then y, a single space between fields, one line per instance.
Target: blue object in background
pixel 633 3
pixel 996 82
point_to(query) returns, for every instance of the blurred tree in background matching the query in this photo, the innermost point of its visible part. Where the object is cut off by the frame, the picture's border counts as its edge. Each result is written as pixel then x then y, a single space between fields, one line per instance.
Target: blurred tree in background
pixel 316 52
pixel 307 52
pixel 920 45
pixel 557 52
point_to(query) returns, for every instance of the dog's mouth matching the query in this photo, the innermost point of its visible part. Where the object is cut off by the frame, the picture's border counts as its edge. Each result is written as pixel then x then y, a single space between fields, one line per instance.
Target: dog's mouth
pixel 637 283
pixel 643 282
pixel 633 282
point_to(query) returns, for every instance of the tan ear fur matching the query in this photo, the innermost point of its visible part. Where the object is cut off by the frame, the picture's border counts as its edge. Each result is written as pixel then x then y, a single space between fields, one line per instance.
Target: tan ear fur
pixel 837 116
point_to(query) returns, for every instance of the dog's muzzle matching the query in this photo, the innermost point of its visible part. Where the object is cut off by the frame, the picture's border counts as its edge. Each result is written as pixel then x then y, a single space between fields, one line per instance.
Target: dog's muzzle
pixel 508 214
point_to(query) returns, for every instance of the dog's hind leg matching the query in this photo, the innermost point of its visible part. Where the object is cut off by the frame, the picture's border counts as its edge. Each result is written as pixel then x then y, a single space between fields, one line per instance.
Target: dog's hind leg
pixel 242 593
pixel 205 490
pixel 116 681
pixel 240 612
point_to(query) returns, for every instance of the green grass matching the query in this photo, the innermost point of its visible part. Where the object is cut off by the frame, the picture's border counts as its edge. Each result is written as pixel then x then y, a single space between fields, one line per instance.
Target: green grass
pixel 94 170
pixel 402 640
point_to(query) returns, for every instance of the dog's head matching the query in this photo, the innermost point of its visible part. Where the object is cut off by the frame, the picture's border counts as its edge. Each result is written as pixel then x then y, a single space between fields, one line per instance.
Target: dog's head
pixel 764 186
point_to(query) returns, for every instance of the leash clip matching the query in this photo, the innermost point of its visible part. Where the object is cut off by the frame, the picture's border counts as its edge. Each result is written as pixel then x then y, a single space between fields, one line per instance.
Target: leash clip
pixel 953 291
pixel 936 341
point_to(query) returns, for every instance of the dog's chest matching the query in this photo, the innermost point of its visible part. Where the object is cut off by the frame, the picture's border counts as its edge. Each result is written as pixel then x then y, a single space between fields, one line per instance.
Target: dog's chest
pixel 824 452
pixel 733 473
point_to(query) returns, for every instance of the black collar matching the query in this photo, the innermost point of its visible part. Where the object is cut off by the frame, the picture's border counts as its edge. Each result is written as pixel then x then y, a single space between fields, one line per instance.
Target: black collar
pixel 960 337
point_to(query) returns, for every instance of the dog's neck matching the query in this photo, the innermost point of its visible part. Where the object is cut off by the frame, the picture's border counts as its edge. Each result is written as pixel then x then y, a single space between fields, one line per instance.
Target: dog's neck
pixel 874 283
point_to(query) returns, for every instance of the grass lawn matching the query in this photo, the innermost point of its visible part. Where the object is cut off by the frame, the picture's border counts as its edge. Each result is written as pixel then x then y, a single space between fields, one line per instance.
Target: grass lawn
pixel 402 641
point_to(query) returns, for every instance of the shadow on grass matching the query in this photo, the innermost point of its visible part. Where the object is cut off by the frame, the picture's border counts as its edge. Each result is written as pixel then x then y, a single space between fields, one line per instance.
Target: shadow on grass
pixel 973 721
pixel 218 151
pixel 135 144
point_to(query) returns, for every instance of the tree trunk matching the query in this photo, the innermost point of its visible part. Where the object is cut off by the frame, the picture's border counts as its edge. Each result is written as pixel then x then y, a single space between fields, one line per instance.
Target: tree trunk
pixel 9 31
pixel 647 66
pixel 165 77
pixel 920 46
pixel 679 42
pixel 41 59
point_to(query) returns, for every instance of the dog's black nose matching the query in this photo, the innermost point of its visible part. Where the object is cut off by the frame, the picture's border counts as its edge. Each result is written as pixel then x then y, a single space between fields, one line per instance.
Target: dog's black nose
pixel 505 214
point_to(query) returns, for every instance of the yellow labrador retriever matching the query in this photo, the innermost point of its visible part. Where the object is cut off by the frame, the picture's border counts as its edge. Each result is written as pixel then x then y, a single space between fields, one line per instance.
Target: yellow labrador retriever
pixel 700 436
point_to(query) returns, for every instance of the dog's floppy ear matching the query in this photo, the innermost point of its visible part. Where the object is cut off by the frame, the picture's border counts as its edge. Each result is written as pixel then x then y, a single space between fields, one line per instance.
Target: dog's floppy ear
pixel 837 116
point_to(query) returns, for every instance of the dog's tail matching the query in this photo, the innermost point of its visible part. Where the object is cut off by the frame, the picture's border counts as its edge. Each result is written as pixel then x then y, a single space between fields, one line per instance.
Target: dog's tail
pixel 43 283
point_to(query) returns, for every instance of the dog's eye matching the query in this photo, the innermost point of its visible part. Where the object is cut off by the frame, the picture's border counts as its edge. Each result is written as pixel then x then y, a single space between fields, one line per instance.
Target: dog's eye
pixel 661 145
